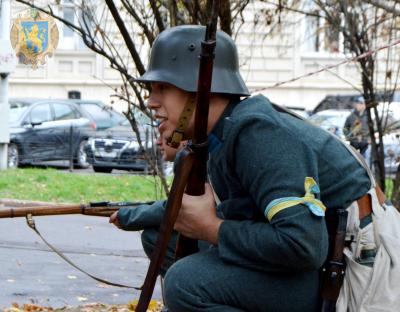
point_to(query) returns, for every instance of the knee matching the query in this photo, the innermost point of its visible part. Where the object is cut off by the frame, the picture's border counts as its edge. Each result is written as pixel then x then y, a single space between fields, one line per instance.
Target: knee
pixel 180 288
pixel 149 237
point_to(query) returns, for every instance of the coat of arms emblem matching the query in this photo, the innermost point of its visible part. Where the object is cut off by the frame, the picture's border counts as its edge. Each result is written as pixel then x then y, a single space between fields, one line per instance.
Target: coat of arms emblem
pixel 34 35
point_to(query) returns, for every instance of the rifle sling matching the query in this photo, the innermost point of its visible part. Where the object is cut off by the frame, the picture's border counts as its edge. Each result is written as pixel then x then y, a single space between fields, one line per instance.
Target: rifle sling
pixel 184 119
pixel 31 224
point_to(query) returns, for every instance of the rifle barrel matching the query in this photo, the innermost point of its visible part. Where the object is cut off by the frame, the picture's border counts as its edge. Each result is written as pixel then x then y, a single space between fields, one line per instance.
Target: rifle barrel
pixel 11 212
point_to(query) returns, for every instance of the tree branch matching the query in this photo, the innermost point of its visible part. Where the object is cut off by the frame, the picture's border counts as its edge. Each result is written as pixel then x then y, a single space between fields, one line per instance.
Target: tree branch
pixel 127 38
pixel 130 9
pixel 157 16
pixel 385 6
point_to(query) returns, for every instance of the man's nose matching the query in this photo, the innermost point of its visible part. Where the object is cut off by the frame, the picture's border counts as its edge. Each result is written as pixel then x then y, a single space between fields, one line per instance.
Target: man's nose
pixel 153 103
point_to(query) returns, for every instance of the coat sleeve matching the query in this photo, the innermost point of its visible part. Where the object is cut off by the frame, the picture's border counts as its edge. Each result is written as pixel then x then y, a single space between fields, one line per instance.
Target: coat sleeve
pixel 271 162
pixel 142 216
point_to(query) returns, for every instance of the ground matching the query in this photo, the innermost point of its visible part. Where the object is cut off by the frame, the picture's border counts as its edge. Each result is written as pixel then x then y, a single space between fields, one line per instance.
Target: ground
pixel 154 306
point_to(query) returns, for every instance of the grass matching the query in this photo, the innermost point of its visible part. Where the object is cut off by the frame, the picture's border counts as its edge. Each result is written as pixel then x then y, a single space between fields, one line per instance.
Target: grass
pixel 388 188
pixel 51 185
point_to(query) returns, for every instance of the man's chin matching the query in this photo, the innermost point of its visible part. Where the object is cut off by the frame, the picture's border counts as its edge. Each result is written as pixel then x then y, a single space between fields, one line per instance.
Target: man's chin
pixel 167 158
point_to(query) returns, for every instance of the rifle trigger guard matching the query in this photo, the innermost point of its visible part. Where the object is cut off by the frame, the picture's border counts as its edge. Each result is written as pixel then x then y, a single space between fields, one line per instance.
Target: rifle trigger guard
pixel 30 221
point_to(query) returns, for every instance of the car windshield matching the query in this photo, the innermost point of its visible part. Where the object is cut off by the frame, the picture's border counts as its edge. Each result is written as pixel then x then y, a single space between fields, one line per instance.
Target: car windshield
pixel 16 111
pixel 105 117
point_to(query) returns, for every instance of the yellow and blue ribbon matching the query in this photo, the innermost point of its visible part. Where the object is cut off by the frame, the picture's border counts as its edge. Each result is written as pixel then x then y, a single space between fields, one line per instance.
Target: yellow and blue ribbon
pixel 309 200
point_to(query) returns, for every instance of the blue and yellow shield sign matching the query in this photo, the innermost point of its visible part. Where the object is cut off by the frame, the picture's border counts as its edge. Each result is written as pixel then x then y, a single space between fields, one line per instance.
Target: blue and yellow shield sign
pixel 34 35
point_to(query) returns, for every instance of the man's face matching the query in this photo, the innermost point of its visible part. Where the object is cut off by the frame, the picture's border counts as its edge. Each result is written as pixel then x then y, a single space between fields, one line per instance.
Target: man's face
pixel 167 103
pixel 360 106
pixel 168 153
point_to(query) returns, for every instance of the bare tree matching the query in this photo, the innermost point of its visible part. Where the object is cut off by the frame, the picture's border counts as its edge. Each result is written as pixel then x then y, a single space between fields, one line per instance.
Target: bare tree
pixel 390 6
pixel 363 26
pixel 102 25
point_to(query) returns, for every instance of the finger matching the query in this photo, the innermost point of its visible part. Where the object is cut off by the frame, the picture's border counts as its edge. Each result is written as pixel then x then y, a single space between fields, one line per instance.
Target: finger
pixel 113 217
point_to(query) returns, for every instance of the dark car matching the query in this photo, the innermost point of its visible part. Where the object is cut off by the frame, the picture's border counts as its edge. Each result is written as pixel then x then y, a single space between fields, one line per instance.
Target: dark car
pixel 104 116
pixel 117 148
pixel 45 130
pixel 346 101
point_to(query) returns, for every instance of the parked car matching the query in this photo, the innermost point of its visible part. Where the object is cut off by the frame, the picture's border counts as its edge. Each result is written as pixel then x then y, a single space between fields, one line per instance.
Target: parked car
pixel 117 148
pixel 104 116
pixel 346 101
pixel 301 111
pixel 327 119
pixel 391 141
pixel 44 130
pixel 331 119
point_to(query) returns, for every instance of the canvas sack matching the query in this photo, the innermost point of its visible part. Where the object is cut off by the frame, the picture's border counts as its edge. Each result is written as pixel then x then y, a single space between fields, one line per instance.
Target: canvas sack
pixel 372 285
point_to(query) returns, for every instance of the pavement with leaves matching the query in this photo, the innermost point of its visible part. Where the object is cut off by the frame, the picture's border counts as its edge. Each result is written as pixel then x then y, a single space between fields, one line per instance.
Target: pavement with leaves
pixel 154 306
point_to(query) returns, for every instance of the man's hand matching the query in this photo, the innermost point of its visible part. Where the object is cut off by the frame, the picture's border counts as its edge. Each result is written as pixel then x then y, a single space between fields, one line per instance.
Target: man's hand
pixel 114 219
pixel 197 217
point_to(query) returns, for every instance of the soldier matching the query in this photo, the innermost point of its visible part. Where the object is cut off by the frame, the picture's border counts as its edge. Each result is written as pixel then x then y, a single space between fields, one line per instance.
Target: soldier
pixel 144 216
pixel 356 127
pixel 271 178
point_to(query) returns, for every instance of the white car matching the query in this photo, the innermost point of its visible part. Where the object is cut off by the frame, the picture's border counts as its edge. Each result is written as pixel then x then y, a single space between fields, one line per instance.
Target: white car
pixel 331 119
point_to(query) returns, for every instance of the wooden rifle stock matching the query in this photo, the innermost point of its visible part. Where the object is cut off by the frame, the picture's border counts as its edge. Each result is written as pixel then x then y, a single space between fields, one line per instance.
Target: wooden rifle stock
pixel 198 176
pixel 182 172
pixel 191 172
pixel 102 209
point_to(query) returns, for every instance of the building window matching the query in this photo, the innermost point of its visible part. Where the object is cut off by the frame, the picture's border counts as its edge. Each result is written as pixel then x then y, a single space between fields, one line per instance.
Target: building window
pixel 70 40
pixel 320 36
pixel 69 15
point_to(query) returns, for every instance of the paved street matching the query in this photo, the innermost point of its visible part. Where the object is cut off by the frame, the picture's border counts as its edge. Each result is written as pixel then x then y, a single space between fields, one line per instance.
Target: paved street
pixel 30 273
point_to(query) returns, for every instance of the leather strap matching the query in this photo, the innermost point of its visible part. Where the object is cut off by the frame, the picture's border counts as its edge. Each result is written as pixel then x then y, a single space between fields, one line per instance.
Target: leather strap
pixel 365 204
pixel 32 225
pixel 184 118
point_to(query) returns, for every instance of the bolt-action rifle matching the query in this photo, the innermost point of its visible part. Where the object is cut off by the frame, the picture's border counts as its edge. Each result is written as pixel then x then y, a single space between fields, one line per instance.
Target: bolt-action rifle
pixel 101 209
pixel 191 167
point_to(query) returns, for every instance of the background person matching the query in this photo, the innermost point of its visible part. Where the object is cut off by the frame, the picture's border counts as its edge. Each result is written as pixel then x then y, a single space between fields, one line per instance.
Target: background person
pixel 356 127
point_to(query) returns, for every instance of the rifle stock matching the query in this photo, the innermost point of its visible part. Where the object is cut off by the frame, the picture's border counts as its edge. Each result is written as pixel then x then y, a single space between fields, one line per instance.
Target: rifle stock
pixel 191 173
pixel 198 176
pixel 102 209
pixel 183 169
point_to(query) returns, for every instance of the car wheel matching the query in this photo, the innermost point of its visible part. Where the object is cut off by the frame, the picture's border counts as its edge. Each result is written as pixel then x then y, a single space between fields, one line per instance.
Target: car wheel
pixel 81 156
pixel 102 169
pixel 13 156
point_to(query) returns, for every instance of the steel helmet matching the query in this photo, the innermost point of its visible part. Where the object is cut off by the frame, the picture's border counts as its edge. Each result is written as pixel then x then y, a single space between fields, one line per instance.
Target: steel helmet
pixel 174 59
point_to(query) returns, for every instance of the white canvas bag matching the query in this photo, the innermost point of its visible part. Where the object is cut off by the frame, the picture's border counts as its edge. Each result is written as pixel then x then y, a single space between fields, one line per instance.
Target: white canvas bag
pixel 375 288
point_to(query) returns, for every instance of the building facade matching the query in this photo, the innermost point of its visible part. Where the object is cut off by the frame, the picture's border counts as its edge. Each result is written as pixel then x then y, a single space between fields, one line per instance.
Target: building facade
pixel 268 55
